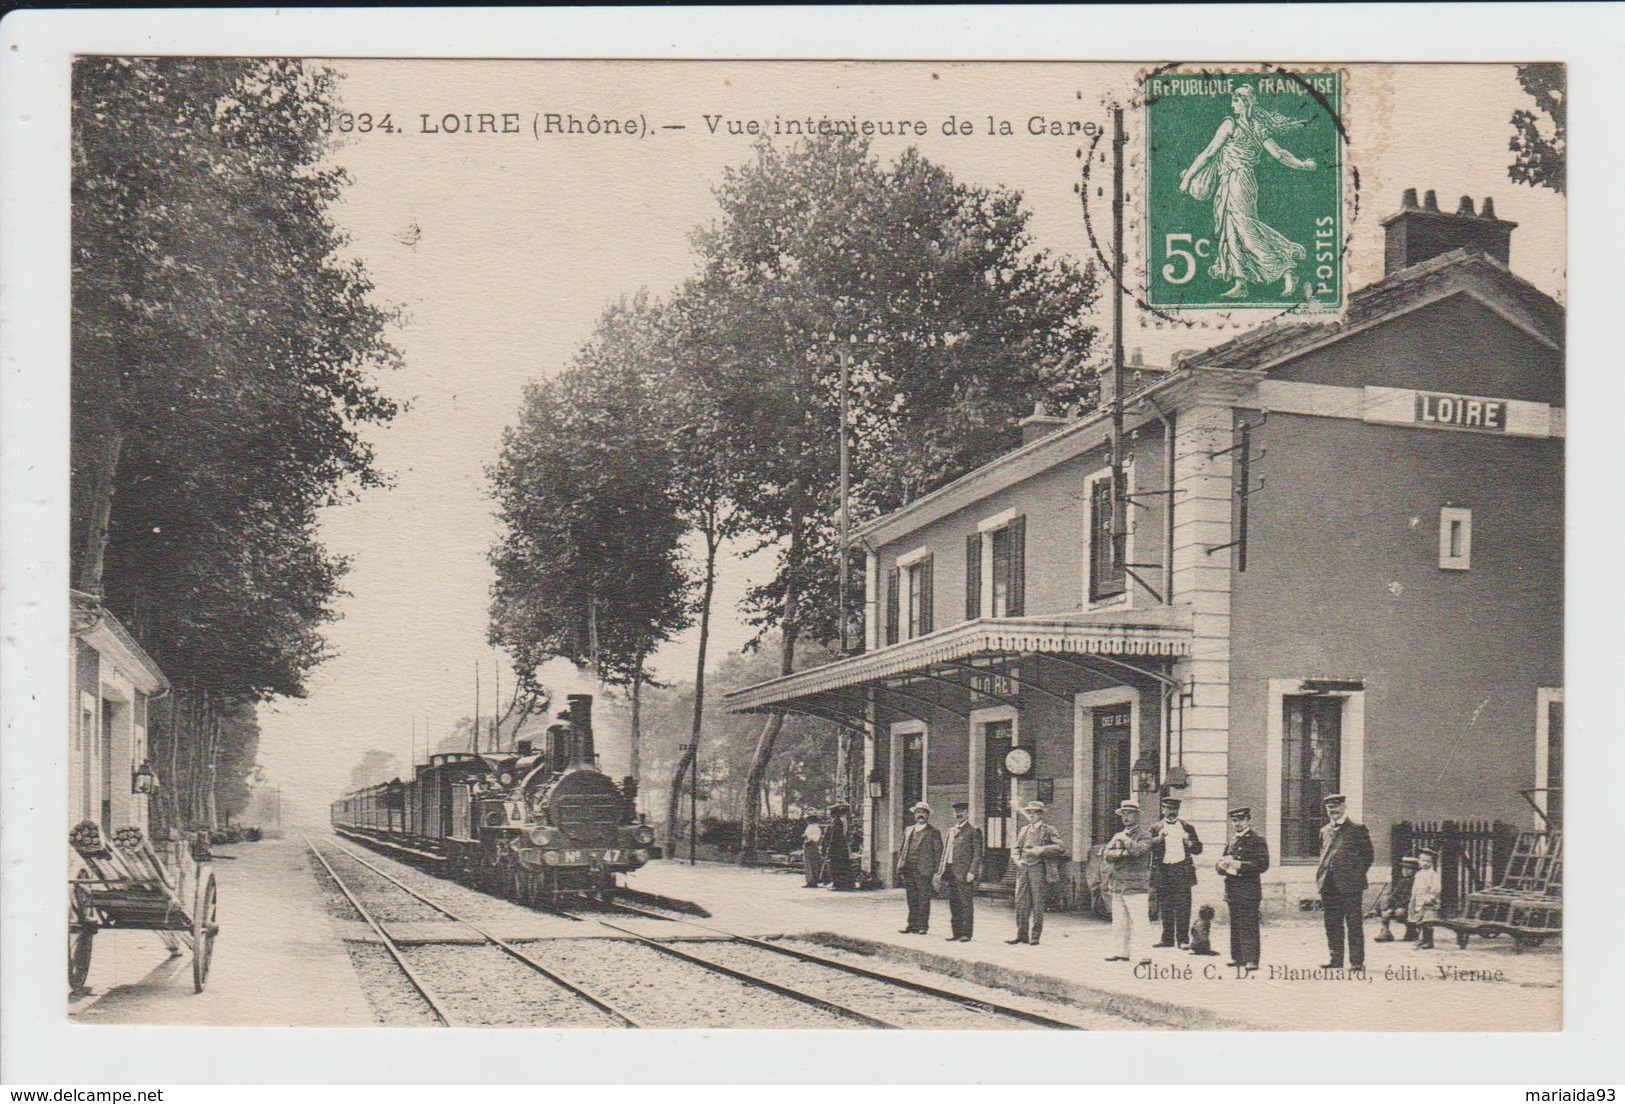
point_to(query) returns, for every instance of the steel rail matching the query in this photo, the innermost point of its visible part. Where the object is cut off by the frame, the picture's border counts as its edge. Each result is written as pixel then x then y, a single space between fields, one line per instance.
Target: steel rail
pixel 389 944
pixel 577 988
pixel 752 980
pixel 978 1003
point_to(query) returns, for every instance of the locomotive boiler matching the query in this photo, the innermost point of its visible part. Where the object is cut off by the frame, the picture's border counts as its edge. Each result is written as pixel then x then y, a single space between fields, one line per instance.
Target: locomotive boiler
pixel 532 824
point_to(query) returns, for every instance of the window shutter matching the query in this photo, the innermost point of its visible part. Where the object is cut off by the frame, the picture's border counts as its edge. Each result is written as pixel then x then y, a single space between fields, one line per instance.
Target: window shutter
pixel 973 576
pixel 892 604
pixel 1018 566
pixel 924 567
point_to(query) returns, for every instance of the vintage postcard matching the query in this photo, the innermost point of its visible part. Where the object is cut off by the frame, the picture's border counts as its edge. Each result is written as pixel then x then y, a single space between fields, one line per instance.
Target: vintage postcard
pixel 1053 545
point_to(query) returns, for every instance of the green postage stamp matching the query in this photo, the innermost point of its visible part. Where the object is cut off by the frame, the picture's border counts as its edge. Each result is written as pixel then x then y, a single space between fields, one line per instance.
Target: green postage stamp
pixel 1244 193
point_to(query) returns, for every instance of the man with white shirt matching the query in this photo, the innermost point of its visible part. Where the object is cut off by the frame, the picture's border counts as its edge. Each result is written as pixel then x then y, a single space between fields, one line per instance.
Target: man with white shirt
pixel 1173 873
pixel 918 860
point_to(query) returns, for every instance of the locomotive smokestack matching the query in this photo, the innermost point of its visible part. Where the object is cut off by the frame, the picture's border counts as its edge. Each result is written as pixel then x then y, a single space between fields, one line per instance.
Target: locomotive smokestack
pixel 581 727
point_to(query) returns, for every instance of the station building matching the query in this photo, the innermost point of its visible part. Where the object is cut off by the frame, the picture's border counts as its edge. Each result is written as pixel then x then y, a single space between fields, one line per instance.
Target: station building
pixel 112 682
pixel 1343 573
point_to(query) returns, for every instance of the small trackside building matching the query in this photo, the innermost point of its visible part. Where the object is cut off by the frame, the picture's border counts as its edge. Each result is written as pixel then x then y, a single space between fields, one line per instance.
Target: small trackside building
pixel 112 682
pixel 1343 573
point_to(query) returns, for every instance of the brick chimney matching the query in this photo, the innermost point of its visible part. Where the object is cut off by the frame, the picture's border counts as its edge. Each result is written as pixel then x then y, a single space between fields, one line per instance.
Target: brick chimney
pixel 1040 423
pixel 1418 233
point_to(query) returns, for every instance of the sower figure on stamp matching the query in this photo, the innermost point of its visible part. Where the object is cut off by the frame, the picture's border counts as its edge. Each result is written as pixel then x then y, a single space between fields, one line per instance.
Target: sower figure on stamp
pixel 960 871
pixel 1345 856
pixel 1247 249
pixel 1246 857
pixel 838 850
pixel 1037 851
pixel 1128 853
pixel 918 860
pixel 1173 873
pixel 812 843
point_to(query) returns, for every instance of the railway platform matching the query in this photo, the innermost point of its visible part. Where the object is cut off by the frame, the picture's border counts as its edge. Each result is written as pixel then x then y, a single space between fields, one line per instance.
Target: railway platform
pixel 274 924
pixel 1404 989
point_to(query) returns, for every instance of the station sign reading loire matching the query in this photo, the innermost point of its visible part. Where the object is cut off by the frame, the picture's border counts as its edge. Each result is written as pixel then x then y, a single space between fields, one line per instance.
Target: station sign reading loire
pixel 1473 413
pixel 1461 410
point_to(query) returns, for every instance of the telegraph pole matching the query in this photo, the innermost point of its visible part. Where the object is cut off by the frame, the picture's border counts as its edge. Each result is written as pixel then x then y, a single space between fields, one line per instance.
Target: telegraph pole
pixel 1119 518
pixel 845 560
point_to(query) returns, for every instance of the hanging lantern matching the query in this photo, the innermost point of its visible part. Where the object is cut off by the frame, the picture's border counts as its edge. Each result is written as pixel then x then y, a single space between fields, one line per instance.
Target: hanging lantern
pixel 144 780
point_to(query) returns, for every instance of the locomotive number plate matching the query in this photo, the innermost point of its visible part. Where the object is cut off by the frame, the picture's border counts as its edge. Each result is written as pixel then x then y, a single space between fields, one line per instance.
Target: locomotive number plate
pixel 575 856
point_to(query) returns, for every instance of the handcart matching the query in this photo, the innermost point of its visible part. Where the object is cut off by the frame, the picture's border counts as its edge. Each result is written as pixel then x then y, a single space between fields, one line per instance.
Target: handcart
pixel 124 884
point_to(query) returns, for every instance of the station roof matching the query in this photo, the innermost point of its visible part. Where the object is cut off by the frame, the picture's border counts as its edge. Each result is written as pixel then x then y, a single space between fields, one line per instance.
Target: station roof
pixel 1117 643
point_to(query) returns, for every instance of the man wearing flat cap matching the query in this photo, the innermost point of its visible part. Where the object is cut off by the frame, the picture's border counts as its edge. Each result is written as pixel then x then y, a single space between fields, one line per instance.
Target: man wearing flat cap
pixel 961 869
pixel 1174 844
pixel 1345 856
pixel 917 861
pixel 1037 854
pixel 1128 855
pixel 1245 858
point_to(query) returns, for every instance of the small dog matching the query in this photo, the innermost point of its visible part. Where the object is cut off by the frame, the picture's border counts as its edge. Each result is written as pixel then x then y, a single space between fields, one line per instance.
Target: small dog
pixel 1202 932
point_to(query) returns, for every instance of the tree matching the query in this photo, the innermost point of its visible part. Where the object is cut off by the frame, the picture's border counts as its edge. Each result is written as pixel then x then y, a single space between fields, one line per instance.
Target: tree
pixel 588 566
pixel 374 767
pixel 955 324
pixel 224 361
pixel 1540 138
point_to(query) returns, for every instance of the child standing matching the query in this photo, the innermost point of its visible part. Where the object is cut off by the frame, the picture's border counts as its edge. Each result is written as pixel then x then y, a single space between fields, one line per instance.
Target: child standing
pixel 1425 892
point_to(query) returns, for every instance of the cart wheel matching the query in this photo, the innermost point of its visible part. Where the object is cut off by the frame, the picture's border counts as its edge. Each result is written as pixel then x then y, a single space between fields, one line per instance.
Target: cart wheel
pixel 204 927
pixel 81 941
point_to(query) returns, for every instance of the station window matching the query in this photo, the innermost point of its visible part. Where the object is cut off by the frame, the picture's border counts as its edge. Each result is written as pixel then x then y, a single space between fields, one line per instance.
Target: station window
pixel 1455 538
pixel 1312 767
pixel 1106 576
pixel 996 567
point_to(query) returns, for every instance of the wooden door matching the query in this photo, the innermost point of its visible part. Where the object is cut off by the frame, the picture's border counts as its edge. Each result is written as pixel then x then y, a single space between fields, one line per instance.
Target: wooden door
pixel 1113 730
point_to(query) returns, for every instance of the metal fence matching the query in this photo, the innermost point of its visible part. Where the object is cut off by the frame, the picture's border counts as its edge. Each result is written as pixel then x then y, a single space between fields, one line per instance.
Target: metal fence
pixel 1473 854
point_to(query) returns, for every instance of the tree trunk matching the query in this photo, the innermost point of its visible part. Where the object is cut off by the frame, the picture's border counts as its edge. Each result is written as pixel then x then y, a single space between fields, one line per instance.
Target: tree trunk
pixel 750 818
pixel 687 763
pixel 93 555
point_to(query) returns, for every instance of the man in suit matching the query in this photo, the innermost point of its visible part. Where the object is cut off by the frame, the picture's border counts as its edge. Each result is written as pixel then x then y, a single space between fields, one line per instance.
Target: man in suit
pixel 1173 873
pixel 961 869
pixel 1246 857
pixel 1038 847
pixel 1345 856
pixel 918 860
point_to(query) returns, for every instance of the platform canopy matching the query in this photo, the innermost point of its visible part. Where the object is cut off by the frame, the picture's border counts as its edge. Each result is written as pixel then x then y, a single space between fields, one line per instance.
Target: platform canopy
pixel 987 661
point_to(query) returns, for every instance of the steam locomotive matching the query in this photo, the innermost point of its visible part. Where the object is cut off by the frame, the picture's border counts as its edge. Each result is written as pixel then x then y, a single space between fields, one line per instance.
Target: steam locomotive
pixel 528 824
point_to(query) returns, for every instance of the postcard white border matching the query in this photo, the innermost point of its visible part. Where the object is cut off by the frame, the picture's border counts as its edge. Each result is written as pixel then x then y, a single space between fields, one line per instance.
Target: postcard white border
pixel 37 1045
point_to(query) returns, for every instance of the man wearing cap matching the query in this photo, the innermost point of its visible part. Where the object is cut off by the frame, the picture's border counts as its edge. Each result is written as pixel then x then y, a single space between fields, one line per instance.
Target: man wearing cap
pixel 917 862
pixel 1345 856
pixel 961 869
pixel 1128 854
pixel 1174 842
pixel 838 850
pixel 812 859
pixel 1245 858
pixel 1037 851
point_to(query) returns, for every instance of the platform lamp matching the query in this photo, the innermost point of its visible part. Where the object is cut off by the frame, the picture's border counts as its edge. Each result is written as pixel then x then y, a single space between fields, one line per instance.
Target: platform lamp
pixel 1143 775
pixel 144 780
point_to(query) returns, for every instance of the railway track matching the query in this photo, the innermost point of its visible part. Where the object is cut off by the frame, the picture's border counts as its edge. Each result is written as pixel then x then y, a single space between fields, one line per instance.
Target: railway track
pixel 845 993
pixel 974 1004
pixel 440 1005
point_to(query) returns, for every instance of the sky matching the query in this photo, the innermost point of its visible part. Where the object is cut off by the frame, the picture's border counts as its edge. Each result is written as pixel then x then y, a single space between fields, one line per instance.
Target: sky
pixel 502 249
